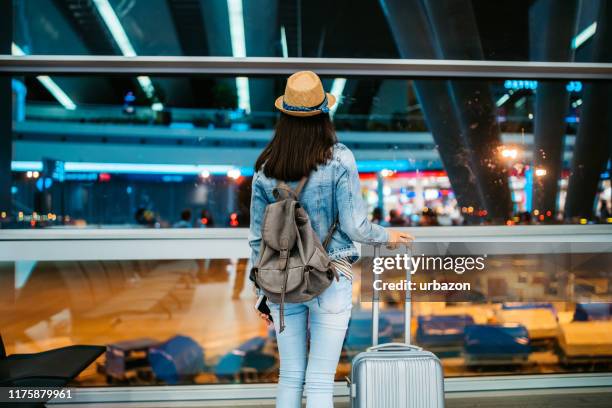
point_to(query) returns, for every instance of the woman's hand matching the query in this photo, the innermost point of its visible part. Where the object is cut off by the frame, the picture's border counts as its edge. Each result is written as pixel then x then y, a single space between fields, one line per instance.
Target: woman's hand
pixel 265 318
pixel 398 237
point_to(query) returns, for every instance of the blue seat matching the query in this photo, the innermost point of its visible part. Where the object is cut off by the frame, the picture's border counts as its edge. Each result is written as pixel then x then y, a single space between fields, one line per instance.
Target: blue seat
pixel 359 334
pixel 592 311
pixel 502 343
pixel 527 305
pixel 254 344
pixel 248 355
pixel 177 358
pixel 229 365
pixel 439 330
pixel 396 318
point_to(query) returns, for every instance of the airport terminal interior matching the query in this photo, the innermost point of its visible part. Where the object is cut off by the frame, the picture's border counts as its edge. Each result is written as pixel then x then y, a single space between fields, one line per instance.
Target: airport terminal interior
pixel 125 194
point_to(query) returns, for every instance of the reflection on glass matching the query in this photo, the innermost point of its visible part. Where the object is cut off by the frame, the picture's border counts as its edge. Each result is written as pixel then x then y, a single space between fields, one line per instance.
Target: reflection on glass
pixel 429 152
pixel 505 30
pixel 150 313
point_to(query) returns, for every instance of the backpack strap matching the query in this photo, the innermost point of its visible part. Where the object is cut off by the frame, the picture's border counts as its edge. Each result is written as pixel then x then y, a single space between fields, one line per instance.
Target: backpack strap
pixel 283 191
pixel 300 186
pixel 330 232
pixel 282 301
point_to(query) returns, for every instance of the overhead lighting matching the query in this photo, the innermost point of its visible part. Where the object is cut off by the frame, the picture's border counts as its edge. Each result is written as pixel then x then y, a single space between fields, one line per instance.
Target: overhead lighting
pixel 93 167
pixel 244 98
pixel 236 20
pixel 584 35
pixel 284 42
pixel 386 167
pixel 520 102
pixel 114 26
pixel 26 166
pixel 386 173
pixel 502 100
pixel 234 174
pixel 123 42
pixel 509 153
pixel 57 92
pixel 145 168
pixel 577 103
pixel 237 37
pixel 146 85
pixel 16 50
pixel 540 172
pixel 337 89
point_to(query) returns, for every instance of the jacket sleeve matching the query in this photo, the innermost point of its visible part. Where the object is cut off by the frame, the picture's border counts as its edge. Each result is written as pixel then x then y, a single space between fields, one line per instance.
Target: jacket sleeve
pixel 352 210
pixel 258 206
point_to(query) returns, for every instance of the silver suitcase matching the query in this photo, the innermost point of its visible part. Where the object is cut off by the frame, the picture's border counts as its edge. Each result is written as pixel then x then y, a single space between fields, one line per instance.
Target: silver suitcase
pixel 396 375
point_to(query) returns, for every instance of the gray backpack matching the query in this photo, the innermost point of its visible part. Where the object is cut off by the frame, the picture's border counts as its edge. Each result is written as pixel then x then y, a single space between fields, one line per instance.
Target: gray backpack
pixel 293 265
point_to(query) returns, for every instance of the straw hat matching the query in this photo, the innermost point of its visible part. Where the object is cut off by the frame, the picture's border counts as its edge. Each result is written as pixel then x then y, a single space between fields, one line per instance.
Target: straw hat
pixel 304 96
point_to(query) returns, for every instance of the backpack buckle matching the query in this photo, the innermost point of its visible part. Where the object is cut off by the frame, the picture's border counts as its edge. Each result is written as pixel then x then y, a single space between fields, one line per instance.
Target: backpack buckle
pixel 284 253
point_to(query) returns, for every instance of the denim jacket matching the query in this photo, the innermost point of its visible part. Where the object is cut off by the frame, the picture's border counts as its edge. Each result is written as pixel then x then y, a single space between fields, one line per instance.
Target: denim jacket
pixel 332 190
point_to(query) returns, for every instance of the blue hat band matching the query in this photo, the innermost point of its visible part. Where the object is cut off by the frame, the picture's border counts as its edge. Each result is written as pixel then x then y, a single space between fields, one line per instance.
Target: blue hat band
pixel 321 107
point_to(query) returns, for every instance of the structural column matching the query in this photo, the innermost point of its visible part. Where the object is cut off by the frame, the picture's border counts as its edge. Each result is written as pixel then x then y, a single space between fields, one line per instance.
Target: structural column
pixel 591 151
pixel 414 39
pixel 551 27
pixel 6 146
pixel 456 34
pixel 594 138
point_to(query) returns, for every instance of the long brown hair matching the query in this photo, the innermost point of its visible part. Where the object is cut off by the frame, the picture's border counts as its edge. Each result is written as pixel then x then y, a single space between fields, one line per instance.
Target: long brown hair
pixel 299 146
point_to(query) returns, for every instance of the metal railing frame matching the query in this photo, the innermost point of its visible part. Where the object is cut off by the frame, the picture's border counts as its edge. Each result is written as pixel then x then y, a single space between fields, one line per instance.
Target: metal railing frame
pixel 14 243
pixel 343 67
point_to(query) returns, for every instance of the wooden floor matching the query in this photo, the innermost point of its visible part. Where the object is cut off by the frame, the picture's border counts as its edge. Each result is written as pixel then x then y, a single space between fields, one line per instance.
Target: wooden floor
pixel 52 309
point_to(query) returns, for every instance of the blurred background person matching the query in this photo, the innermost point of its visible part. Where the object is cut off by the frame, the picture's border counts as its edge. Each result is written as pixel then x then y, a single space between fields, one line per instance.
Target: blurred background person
pixel 377 216
pixel 185 221
pixel 206 219
pixel 604 211
pixel 429 218
pixel 145 217
pixel 396 219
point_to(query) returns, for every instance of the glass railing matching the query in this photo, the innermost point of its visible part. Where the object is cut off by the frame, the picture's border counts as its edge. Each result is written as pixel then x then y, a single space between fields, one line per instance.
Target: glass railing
pixel 135 291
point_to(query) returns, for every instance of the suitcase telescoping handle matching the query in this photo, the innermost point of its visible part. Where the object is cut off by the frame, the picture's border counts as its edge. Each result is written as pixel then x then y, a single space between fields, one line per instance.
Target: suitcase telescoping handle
pixel 376 314
pixel 395 347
